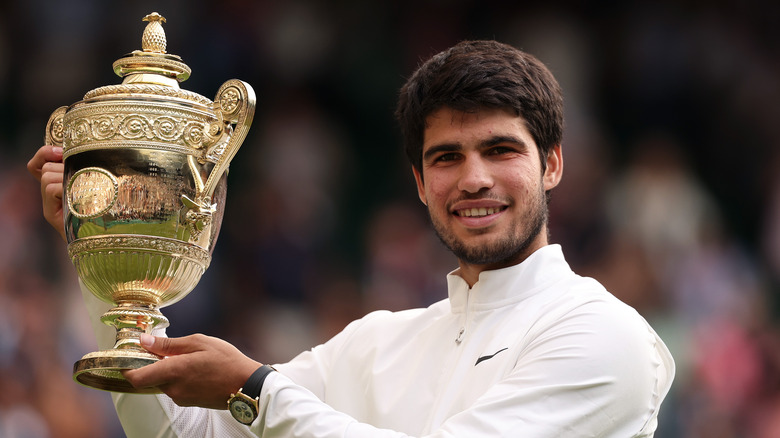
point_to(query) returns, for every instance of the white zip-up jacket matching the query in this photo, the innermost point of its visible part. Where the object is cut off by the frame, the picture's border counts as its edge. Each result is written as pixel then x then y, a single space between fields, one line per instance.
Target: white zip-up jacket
pixel 532 350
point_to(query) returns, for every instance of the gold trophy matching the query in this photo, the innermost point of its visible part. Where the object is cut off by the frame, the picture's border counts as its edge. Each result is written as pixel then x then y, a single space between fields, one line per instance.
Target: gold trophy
pixel 144 190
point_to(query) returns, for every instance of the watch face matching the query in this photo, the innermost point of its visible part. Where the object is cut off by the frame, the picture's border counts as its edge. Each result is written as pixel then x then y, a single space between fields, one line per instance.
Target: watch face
pixel 242 411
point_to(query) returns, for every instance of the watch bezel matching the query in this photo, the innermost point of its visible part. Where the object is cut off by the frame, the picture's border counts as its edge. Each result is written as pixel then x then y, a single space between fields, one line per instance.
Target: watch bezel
pixel 251 403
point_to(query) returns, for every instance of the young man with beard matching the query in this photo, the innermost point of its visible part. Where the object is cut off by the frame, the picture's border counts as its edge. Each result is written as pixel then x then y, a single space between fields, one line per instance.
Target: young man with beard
pixel 522 346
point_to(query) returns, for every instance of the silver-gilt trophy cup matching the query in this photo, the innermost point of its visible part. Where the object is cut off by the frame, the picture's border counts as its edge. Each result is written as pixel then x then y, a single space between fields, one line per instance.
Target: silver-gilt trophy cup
pixel 144 190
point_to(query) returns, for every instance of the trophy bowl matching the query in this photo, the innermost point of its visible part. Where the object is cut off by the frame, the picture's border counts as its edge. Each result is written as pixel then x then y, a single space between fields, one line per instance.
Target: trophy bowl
pixel 144 190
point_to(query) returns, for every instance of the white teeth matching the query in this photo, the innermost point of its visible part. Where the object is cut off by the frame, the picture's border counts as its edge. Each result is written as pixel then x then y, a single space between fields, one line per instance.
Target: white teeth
pixel 478 212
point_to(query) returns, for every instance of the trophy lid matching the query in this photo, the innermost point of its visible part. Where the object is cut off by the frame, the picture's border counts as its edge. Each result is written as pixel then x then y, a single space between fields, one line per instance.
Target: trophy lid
pixel 151 70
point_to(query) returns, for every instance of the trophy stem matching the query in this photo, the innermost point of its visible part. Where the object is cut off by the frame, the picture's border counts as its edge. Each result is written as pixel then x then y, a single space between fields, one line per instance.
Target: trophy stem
pixel 131 320
pixel 103 369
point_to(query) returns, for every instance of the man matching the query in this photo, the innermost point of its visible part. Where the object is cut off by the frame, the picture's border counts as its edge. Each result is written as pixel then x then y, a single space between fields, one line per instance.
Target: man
pixel 521 347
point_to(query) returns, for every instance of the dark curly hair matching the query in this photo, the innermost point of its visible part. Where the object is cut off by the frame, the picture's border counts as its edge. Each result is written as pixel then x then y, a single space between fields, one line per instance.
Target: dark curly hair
pixel 482 74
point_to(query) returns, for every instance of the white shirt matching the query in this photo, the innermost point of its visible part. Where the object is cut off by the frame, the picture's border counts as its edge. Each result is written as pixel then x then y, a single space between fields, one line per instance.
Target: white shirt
pixel 531 350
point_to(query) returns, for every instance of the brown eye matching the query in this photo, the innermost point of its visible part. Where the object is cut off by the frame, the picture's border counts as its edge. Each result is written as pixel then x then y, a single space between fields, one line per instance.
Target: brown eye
pixel 446 157
pixel 499 150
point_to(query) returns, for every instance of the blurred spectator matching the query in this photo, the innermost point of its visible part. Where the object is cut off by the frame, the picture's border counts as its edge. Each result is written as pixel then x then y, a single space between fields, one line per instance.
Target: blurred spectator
pixel 404 261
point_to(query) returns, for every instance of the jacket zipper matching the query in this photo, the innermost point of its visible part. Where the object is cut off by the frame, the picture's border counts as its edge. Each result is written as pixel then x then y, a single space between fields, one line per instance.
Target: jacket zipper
pixel 462 330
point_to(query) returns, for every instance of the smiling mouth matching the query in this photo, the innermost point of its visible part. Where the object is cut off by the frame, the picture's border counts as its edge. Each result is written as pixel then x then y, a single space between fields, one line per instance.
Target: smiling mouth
pixel 478 212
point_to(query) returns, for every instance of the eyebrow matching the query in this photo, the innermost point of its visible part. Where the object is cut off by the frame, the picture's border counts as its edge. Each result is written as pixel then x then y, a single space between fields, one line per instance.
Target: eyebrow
pixel 487 143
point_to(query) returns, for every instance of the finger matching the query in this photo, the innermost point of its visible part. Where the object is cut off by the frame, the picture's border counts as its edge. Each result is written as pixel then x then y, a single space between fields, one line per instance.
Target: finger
pixel 51 186
pixel 53 192
pixel 53 167
pixel 44 155
pixel 37 161
pixel 156 374
pixel 52 173
pixel 164 346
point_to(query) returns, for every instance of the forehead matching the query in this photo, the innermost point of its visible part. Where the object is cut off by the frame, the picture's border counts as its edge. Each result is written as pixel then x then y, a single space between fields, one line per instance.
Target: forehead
pixel 449 126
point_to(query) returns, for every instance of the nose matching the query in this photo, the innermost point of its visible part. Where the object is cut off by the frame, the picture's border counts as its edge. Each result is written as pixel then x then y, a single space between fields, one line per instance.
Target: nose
pixel 475 175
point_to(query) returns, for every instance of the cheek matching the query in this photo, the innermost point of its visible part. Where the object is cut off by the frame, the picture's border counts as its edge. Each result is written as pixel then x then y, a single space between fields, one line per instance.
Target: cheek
pixel 437 197
pixel 525 189
pixel 436 191
pixel 523 181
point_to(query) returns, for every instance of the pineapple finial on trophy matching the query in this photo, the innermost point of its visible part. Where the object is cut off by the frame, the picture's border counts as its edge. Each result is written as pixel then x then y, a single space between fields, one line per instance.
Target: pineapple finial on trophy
pixel 152 64
pixel 153 39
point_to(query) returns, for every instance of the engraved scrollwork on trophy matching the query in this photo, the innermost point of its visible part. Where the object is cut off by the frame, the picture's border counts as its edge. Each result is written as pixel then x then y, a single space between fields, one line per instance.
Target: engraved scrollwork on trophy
pixel 197 222
pixel 155 90
pixel 167 128
pixel 78 132
pixel 218 149
pixel 172 130
pixel 55 128
pixel 229 100
pixel 104 127
pixel 135 126
pixel 198 215
pixel 91 192
pixel 235 107
pixel 131 242
pixel 193 135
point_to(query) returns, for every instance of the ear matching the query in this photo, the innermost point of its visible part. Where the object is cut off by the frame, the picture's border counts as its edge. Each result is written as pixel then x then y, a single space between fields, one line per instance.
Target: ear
pixel 554 172
pixel 420 185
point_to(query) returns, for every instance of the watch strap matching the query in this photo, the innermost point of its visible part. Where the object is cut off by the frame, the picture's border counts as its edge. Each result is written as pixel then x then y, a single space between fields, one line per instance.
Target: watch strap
pixel 254 384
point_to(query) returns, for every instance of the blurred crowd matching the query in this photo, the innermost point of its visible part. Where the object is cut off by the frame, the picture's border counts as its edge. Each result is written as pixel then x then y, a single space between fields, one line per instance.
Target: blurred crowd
pixel 670 195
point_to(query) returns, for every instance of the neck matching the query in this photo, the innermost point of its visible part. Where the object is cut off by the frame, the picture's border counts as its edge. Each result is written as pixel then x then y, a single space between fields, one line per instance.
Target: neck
pixel 470 272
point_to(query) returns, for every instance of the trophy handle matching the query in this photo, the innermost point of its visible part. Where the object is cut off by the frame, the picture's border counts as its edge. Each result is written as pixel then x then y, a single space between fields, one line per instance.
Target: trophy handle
pixel 54 127
pixel 235 104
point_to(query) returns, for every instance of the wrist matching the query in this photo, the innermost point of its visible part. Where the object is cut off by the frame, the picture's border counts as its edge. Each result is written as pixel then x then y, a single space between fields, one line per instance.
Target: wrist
pixel 244 404
pixel 254 384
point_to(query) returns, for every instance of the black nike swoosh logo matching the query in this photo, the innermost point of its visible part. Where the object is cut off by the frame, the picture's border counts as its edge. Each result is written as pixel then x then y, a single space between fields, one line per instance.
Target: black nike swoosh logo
pixel 490 356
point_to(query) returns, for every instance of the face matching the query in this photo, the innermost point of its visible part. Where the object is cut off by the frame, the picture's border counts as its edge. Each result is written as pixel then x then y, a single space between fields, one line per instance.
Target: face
pixel 483 183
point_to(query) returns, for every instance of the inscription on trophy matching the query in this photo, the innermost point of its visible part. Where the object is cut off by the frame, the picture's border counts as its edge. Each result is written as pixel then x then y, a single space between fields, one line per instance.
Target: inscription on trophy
pixel 92 192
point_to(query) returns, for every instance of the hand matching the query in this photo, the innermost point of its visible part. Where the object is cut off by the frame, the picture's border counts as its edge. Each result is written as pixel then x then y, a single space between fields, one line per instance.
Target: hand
pixel 46 166
pixel 199 370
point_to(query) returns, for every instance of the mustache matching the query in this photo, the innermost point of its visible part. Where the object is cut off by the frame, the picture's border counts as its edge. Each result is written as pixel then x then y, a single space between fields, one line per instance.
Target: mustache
pixel 481 195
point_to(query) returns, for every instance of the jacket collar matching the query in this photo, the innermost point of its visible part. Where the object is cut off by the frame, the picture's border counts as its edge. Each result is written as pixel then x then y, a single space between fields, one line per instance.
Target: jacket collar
pixel 508 285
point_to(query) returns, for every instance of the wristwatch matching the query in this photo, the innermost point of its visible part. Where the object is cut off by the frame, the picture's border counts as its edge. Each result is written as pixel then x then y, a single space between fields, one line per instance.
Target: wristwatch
pixel 243 405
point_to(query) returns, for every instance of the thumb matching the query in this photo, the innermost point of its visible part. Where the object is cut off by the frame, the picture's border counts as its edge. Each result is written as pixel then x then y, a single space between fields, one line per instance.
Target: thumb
pixel 164 346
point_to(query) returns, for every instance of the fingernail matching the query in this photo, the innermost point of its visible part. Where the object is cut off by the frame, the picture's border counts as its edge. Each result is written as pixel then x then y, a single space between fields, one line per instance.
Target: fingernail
pixel 57 149
pixel 147 341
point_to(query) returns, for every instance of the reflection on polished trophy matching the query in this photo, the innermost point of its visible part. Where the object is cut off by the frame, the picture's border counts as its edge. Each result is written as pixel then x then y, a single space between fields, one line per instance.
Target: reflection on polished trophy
pixel 144 193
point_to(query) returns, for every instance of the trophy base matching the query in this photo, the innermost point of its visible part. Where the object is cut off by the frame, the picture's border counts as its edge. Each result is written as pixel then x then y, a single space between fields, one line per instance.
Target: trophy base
pixel 102 370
